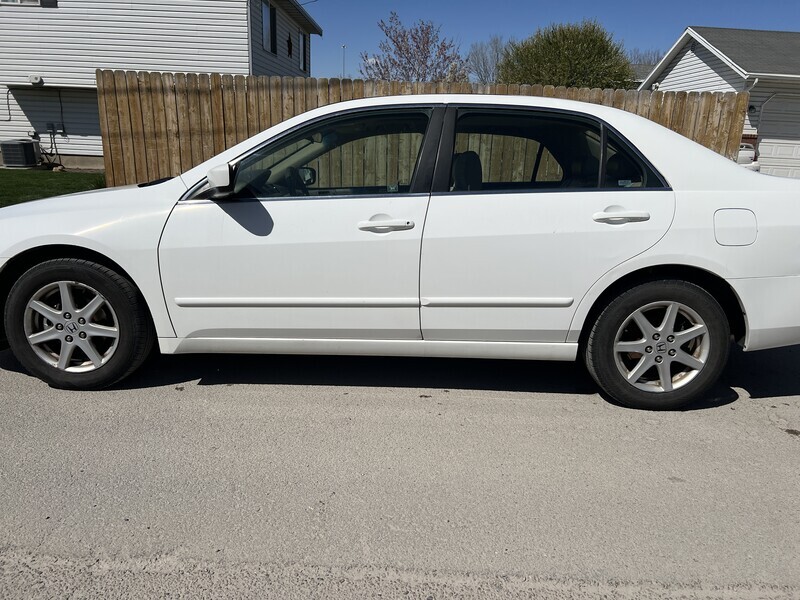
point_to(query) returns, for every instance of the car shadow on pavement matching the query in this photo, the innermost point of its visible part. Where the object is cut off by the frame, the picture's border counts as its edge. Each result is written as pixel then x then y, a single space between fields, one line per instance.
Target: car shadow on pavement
pixel 433 373
pixel 359 371
pixel 766 374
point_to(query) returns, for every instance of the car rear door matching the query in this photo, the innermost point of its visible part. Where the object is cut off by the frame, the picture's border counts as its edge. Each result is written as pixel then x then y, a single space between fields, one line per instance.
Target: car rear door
pixel 519 226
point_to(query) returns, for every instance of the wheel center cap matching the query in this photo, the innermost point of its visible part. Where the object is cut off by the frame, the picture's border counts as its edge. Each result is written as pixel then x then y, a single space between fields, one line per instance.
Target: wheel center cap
pixel 72 327
pixel 661 348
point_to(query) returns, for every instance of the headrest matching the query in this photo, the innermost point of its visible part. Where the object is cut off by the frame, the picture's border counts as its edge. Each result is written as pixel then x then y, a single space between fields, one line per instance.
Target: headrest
pixel 467 172
pixel 620 168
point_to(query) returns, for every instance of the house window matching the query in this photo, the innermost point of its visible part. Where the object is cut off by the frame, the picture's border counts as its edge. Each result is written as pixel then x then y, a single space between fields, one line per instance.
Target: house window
pixel 303 58
pixel 269 29
pixel 265 25
pixel 33 2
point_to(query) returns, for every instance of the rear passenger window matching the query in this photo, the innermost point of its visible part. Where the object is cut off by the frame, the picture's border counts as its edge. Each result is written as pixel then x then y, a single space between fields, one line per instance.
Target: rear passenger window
pixel 497 151
pixel 527 151
pixel 625 170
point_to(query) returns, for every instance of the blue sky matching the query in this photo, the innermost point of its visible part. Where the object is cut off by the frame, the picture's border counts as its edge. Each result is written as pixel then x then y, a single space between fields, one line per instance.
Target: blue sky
pixel 644 23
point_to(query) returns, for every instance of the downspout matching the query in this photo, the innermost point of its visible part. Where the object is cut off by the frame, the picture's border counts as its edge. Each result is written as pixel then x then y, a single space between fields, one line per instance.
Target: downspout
pixel 249 37
pixel 772 97
pixel 748 87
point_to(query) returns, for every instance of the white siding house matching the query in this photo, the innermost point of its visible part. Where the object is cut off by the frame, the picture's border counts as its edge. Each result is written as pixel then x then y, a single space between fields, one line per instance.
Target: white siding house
pixel 697 68
pixel 287 52
pixel 765 63
pixel 49 50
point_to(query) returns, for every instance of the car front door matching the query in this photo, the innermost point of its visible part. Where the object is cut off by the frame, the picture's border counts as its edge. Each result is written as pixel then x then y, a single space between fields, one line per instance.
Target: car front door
pixel 529 210
pixel 320 239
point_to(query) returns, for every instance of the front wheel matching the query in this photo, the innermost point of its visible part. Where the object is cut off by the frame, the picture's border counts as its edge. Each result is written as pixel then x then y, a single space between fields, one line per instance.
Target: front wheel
pixel 77 325
pixel 659 345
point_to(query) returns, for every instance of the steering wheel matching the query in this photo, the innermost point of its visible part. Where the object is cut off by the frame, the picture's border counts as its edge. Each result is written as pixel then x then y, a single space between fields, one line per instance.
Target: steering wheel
pixel 260 188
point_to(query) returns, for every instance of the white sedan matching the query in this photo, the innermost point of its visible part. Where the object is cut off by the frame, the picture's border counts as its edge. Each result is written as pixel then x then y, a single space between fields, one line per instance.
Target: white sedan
pixel 453 226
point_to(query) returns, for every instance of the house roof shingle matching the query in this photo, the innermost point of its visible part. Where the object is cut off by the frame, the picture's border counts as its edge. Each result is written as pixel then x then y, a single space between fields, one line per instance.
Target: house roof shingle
pixel 756 51
pixel 641 71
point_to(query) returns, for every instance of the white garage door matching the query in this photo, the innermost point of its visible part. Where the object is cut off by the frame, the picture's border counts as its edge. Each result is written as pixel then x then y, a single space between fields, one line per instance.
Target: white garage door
pixel 779 137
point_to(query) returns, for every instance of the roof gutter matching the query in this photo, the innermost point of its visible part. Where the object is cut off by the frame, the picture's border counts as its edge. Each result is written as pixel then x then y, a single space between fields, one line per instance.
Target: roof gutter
pixel 775 75
pixel 48 86
pixel 296 11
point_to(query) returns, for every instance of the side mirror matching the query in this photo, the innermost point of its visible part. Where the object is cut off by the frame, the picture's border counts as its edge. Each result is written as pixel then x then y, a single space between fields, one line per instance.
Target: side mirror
pixel 219 181
pixel 308 175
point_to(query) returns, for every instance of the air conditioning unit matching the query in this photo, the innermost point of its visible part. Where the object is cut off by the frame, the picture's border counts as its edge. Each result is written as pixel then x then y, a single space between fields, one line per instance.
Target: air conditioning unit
pixel 20 153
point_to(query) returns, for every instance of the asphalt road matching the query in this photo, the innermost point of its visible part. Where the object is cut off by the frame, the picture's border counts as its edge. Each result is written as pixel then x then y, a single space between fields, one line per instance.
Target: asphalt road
pixel 308 477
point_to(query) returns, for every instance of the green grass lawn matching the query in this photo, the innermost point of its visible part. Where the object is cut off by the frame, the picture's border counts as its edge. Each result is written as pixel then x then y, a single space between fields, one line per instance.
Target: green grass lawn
pixel 21 185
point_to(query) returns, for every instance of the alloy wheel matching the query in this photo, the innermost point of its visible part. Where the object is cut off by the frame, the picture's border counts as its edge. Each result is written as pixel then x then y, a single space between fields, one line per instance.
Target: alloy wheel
pixel 71 326
pixel 662 347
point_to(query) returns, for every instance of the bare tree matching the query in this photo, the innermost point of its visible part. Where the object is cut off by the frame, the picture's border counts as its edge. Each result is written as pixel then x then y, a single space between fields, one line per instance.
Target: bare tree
pixel 637 56
pixel 484 57
pixel 416 53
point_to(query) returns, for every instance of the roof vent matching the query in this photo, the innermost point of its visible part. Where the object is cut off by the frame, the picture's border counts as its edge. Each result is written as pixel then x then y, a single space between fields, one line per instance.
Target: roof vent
pixel 20 153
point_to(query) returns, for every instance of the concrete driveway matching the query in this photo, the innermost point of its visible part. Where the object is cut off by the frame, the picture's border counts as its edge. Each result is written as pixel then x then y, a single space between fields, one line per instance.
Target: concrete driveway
pixel 298 477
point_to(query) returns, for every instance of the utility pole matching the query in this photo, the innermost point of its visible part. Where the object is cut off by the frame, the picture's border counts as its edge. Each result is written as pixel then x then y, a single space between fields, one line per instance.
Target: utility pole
pixel 344 50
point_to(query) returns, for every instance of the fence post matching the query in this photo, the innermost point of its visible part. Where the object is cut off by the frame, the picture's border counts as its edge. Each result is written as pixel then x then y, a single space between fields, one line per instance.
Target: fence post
pixel 105 97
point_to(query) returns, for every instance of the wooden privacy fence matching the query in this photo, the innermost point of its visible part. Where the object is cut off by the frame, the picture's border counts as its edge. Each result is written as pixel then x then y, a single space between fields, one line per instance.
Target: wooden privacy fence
pixel 160 124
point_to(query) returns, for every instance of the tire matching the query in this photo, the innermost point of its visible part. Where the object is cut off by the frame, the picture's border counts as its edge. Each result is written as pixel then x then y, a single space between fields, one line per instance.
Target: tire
pixel 659 346
pixel 77 325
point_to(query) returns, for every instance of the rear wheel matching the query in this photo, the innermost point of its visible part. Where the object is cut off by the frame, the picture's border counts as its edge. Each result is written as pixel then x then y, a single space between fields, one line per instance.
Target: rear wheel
pixel 77 325
pixel 659 345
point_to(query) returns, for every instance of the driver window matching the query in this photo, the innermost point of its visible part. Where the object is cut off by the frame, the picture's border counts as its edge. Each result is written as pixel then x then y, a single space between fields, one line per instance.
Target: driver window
pixel 368 153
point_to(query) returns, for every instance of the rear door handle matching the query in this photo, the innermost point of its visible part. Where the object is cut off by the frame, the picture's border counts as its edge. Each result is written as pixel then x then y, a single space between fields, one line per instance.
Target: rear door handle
pixel 386 225
pixel 618 217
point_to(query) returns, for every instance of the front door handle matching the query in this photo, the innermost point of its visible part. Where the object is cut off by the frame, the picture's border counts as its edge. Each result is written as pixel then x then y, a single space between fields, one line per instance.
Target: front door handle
pixel 618 217
pixel 384 226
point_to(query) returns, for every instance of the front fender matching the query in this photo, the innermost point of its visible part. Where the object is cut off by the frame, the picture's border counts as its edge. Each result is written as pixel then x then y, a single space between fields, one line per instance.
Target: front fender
pixel 121 224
